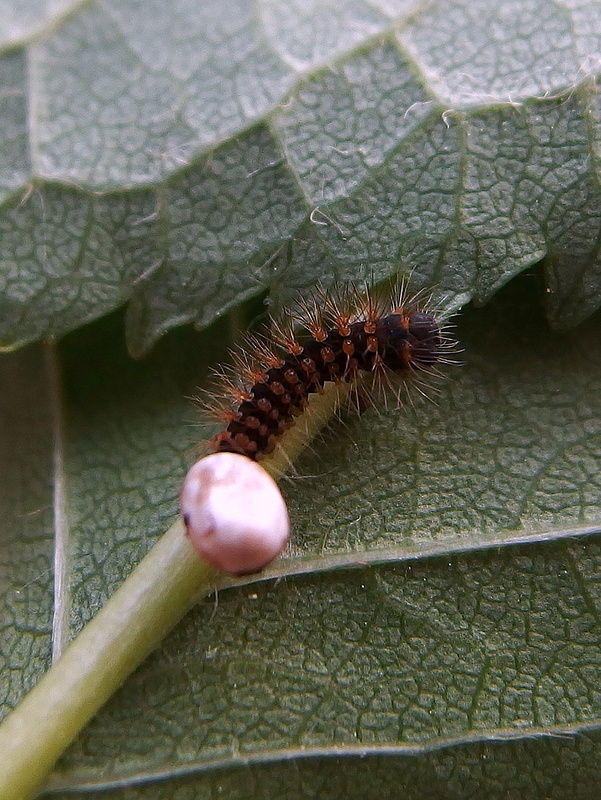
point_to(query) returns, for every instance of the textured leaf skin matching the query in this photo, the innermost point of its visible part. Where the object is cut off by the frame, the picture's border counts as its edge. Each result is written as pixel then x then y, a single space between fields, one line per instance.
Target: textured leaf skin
pixel 435 631
pixel 437 621
pixel 26 540
pixel 181 160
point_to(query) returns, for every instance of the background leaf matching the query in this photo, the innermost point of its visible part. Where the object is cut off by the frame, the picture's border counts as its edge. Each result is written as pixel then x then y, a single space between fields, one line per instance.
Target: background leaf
pixel 168 155
pixel 435 627
pixel 438 612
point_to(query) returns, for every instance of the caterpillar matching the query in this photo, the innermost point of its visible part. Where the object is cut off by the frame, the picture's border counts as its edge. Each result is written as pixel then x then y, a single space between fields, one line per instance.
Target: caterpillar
pixel 232 509
pixel 346 333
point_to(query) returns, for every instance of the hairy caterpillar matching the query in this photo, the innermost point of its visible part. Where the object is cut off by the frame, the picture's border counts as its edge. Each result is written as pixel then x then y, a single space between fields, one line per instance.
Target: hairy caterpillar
pixel 347 333
pixel 232 509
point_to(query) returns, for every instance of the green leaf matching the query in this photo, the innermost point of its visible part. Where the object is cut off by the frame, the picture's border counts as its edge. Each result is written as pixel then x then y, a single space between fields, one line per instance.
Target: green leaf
pixel 434 630
pixel 438 613
pixel 180 159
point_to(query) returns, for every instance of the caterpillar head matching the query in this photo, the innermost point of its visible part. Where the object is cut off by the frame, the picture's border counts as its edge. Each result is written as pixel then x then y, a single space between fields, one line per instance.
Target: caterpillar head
pixel 424 338
pixel 410 340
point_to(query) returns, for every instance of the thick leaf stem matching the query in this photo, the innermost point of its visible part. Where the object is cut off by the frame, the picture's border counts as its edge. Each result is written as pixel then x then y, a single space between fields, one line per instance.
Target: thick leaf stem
pixel 148 604
pixel 134 621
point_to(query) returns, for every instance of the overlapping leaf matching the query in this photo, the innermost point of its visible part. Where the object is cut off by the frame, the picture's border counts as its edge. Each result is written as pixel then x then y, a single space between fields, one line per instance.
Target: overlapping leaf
pixel 167 156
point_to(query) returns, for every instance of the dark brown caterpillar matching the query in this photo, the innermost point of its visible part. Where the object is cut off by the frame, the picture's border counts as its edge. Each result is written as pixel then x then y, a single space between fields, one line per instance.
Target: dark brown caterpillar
pixel 349 332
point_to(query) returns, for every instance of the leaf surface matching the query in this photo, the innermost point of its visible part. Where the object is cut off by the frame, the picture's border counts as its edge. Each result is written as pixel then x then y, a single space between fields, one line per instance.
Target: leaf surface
pixel 434 629
pixel 438 612
pixel 181 160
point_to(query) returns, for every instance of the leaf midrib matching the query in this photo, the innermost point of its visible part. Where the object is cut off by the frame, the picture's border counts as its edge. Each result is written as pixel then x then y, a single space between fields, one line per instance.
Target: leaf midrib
pixel 128 779
pixel 62 532
pixel 411 551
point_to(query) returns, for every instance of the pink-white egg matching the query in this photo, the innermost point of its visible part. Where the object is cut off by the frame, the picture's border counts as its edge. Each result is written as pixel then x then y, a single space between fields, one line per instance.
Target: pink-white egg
pixel 234 513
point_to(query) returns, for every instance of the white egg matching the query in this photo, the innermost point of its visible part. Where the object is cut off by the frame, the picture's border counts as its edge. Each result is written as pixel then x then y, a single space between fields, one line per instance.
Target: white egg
pixel 234 513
